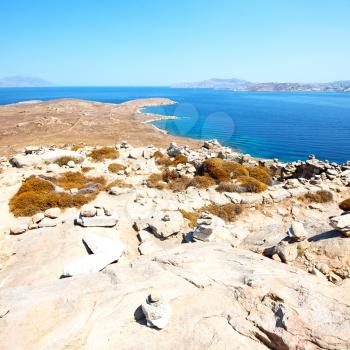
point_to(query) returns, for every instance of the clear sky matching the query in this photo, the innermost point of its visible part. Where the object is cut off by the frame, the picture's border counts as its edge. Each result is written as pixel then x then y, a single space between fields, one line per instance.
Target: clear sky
pixel 159 42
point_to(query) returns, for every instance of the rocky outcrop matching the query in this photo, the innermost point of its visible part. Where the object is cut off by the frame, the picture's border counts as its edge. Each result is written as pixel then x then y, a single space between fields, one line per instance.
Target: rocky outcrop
pixel 219 296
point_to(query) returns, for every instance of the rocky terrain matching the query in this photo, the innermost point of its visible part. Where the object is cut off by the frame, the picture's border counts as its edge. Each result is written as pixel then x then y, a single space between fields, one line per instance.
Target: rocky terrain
pixel 170 247
pixel 244 85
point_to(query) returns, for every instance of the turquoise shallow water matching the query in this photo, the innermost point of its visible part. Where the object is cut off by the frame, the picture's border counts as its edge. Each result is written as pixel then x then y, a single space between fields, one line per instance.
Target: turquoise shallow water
pixel 288 126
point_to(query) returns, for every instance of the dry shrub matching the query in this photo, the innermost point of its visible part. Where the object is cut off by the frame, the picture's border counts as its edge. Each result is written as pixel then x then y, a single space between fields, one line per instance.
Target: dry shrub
pixel 192 217
pixel 35 184
pixel 65 159
pixel 228 187
pixel 86 169
pixel 158 154
pixel 76 147
pixel 214 168
pixel 116 167
pixel 251 185
pixel 179 159
pixel 102 153
pixel 261 174
pixel 180 184
pixel 202 182
pixel 156 181
pixel 345 205
pixel 227 212
pixel 78 180
pixel 169 175
pixel 36 195
pixel 118 183
pixel 321 196
pixel 235 169
pixel 221 170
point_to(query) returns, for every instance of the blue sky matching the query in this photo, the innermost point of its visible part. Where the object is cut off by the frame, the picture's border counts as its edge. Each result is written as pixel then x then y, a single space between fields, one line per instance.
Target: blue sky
pixel 159 42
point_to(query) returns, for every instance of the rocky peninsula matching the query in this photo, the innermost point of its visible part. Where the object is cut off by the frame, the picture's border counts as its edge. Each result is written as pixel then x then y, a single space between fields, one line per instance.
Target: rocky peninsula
pixel 115 235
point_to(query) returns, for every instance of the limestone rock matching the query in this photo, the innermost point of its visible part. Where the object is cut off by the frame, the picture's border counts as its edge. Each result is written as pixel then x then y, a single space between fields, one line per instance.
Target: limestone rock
pixel 97 221
pixel 341 223
pixel 297 231
pixel 147 248
pixel 37 217
pixel 47 222
pixel 17 229
pixel 287 252
pixel 52 213
pixel 280 307
pixel 88 211
pixel 166 224
pixel 157 313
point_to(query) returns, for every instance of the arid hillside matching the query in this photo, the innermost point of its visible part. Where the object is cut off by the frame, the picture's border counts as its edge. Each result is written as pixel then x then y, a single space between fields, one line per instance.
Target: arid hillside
pixel 71 121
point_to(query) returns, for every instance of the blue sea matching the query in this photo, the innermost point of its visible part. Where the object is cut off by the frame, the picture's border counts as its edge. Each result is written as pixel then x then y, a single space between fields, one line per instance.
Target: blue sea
pixel 288 126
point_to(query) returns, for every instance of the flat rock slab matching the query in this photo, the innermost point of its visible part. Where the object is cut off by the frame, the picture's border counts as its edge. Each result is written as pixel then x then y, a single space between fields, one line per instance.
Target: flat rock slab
pixel 97 221
pixel 242 308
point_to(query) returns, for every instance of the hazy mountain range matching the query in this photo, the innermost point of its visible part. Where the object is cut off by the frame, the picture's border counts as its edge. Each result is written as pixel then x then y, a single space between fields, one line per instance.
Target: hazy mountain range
pixel 244 85
pixel 24 82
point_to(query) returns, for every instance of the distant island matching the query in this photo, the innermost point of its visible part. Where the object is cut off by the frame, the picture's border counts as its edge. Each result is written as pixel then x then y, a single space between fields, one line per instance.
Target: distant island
pixel 244 85
pixel 20 81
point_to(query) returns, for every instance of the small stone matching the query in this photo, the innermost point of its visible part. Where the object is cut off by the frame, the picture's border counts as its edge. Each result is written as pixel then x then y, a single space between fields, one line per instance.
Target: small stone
pixel 52 213
pixel 287 252
pixel 17 229
pixel 71 164
pixel 88 210
pixel 108 211
pixel 297 231
pixel 154 297
pixel 47 222
pixel 37 217
pixel 73 190
pixel 33 226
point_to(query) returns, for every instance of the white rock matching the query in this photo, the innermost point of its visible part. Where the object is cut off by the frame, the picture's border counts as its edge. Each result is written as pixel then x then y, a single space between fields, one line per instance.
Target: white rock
pixel 157 314
pixel 87 264
pixel 88 210
pixel 71 164
pixel 287 252
pixel 52 168
pixel 47 222
pixel 52 213
pixel 17 229
pixel 147 248
pixel 37 217
pixel 297 231
pixel 97 221
pixel 341 223
pixel 136 153
pixel 102 245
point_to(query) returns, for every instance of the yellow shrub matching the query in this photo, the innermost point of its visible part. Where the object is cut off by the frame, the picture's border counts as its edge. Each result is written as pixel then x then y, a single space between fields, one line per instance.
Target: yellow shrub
pixel 102 153
pixel 65 159
pixel 261 174
pixel 115 167
pixel 252 185
pixel 202 182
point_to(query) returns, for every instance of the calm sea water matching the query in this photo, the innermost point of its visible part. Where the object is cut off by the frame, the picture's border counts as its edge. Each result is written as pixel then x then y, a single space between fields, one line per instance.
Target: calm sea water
pixel 288 126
